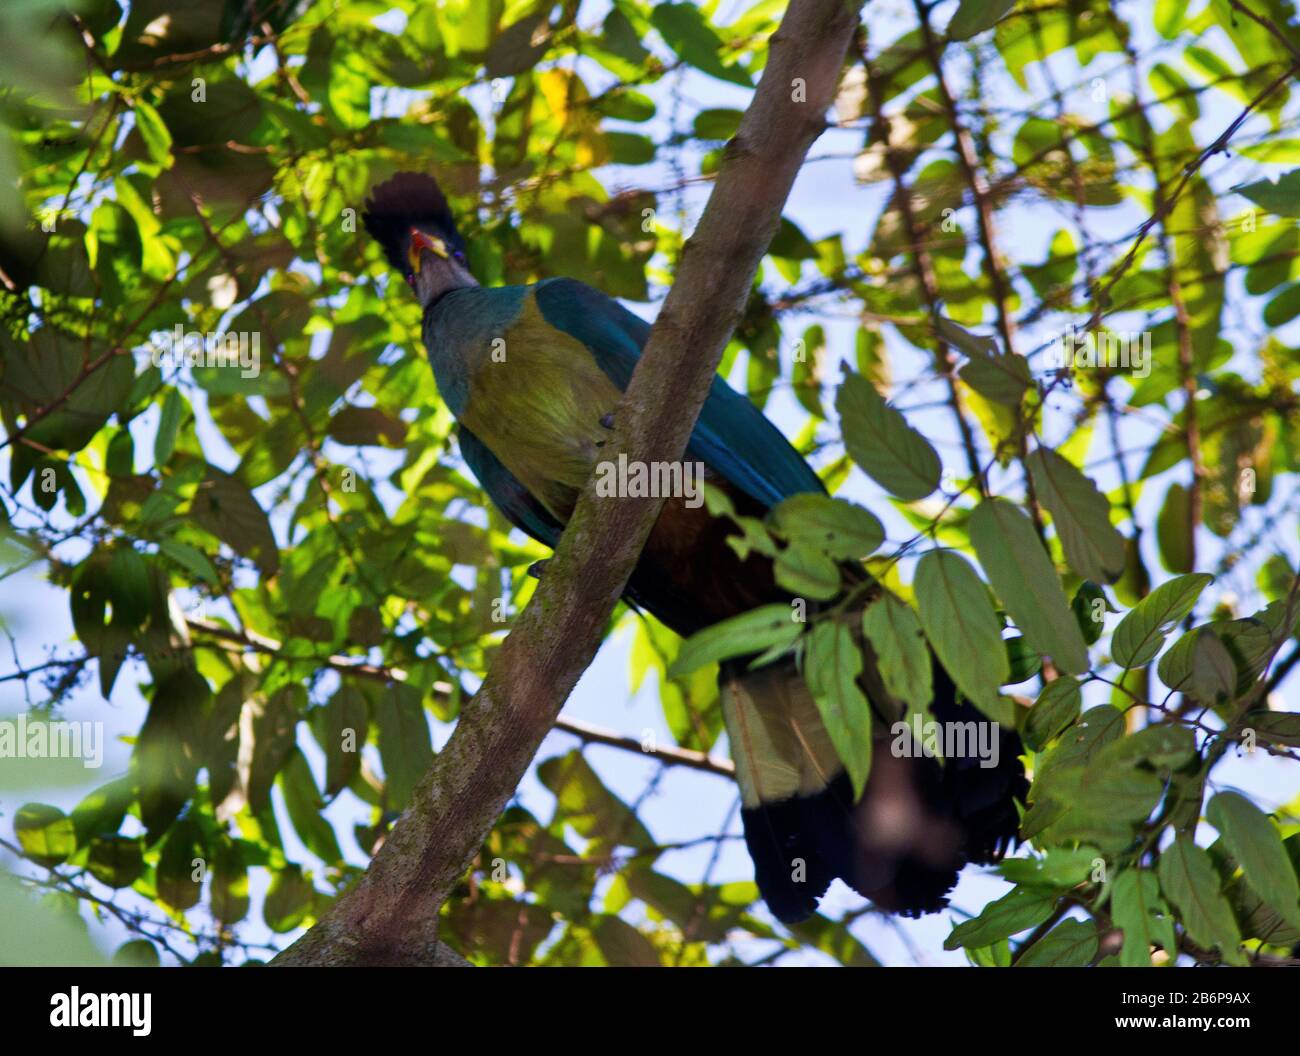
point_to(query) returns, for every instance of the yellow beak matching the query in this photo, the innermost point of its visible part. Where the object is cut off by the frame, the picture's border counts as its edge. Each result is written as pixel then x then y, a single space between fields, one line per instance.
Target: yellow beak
pixel 419 243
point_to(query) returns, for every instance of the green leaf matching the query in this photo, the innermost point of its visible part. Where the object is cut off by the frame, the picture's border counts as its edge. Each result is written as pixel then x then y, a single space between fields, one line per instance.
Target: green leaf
pixel 1071 944
pixel 1140 912
pixel 341 727
pixel 895 634
pixel 1277 728
pixel 303 801
pixel 835 940
pixel 288 900
pixel 807 572
pixel 1024 660
pixel 1108 795
pixel 975 16
pixel 1021 909
pixel 274 729
pixel 1172 88
pixel 1256 843
pixel 1002 377
pixel 1174 530
pixel 685 31
pixel 630 148
pixel 1169 17
pixel 1189 881
pixel 1060 868
pixel 1091 733
pixel 120 460
pixel 1025 580
pixel 164 442
pixel 751 632
pixel 840 529
pixel 163 765
pixel 191 559
pixel 1057 707
pixel 624 104
pixel 513 51
pixel 960 622
pixel 153 130
pixel 130 587
pixel 832 664
pixel 717 123
pixel 405 746
pixel 228 895
pixel 1081 513
pixel 1090 606
pixel 625 55
pixel 46 835
pixel 1257 919
pixel 623 945
pixel 674 901
pixel 138 953
pixel 226 508
pixel 1273 151
pixel 180 866
pixel 101 812
pixel 115 861
pixel 1175 667
pixel 1163 745
pixel 879 440
pixel 1142 631
pixel 806 376
pixel 1284 307
pixel 366 427
pixel 583 802
pixel 1280 196
pixel 1214 672
pixel 790 243
pixel 45 367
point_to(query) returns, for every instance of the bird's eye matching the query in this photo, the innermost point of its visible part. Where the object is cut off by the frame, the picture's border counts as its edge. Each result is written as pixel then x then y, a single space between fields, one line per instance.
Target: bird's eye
pixel 458 255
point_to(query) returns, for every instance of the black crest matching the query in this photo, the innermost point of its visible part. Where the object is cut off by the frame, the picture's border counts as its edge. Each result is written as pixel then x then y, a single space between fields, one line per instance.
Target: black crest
pixel 409 199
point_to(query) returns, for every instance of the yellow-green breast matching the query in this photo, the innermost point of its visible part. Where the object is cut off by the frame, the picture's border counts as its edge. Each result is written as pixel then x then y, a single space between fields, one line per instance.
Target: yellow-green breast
pixel 536 401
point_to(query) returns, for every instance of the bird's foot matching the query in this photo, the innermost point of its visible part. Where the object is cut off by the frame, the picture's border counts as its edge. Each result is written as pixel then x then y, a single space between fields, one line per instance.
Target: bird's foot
pixel 607 422
pixel 538 567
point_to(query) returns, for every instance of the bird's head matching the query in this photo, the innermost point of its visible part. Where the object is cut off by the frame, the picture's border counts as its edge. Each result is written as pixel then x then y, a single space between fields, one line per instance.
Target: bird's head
pixel 408 215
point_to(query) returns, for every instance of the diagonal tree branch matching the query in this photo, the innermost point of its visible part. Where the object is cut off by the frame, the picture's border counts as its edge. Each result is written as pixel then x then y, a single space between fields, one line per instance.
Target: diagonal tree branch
pixel 247 639
pixel 391 917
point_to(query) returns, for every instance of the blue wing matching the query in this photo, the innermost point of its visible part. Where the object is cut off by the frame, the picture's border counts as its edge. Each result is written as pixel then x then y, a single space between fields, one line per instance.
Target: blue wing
pixel 731 436
pixel 510 496
pixel 518 504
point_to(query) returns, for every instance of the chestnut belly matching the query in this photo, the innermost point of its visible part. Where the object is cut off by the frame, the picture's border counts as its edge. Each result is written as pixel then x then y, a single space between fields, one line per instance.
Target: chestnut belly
pixel 689 577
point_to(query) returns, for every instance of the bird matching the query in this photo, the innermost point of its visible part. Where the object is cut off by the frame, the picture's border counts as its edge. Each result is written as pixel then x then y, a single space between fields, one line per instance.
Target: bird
pixel 533 375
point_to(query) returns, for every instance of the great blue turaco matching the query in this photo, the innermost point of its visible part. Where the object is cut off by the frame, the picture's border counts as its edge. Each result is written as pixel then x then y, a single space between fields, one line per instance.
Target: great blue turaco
pixel 531 427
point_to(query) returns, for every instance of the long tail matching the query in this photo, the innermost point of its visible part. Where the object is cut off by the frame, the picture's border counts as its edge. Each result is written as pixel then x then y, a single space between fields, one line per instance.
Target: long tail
pixel 902 844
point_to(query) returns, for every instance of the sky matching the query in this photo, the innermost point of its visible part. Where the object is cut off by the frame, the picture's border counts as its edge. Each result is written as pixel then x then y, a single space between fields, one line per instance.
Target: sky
pixel 687 804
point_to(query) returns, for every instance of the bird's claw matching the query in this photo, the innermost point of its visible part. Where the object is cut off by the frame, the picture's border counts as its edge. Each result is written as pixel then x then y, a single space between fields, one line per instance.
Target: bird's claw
pixel 538 567
pixel 606 422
